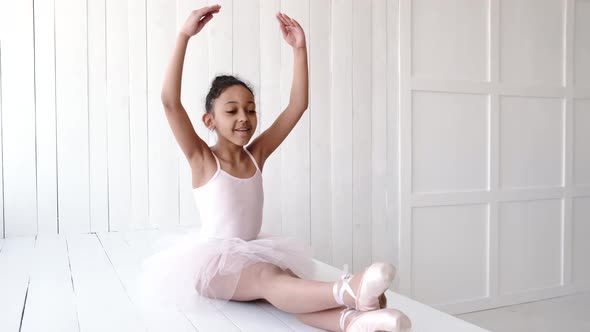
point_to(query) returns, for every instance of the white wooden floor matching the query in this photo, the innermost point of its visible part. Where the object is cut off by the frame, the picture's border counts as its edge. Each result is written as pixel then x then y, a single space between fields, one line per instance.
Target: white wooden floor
pixel 567 313
pixel 84 282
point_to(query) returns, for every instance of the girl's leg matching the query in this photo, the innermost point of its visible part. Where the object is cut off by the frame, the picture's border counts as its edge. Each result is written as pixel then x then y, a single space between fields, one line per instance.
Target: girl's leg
pixel 326 320
pixel 286 291
pixel 283 289
pixel 312 301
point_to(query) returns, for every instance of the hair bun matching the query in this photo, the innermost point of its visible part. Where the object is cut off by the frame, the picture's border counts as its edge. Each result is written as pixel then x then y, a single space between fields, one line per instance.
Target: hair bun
pixel 219 84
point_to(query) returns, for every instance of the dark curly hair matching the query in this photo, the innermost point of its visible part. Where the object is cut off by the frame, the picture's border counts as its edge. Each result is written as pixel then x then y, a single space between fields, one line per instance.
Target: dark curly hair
pixel 220 84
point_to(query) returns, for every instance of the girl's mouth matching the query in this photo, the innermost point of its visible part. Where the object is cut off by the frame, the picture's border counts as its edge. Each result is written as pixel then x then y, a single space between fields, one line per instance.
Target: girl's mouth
pixel 242 131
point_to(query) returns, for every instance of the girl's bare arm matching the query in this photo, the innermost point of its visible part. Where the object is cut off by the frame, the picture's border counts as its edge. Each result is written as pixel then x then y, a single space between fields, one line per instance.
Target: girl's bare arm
pixel 272 137
pixel 191 144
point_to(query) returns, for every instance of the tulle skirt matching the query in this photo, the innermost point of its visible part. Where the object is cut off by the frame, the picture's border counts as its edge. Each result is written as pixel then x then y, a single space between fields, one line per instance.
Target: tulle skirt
pixel 195 268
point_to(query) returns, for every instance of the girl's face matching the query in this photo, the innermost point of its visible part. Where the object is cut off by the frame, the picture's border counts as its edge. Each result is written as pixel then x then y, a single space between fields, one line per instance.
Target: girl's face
pixel 235 115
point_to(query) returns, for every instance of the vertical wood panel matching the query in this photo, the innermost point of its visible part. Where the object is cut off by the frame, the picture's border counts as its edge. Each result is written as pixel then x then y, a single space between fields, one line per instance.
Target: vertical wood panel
pixel 568 143
pixel 362 137
pixel 269 109
pixel 97 116
pixel 405 143
pixel 318 41
pixel 295 151
pixel 18 119
pixel 45 117
pixel 381 238
pixel 195 86
pixel 246 43
pixel 494 151
pixel 163 156
pixel 220 32
pixel 138 126
pixel 342 126
pixel 72 116
pixel 117 61
pixel 392 202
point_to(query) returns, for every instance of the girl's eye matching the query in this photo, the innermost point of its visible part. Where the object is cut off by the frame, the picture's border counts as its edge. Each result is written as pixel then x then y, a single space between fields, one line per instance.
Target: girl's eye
pixel 252 111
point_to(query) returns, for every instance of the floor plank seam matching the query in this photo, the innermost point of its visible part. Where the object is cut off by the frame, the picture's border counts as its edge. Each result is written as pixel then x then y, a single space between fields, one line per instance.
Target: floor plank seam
pixel 119 277
pixel 226 316
pixel 189 321
pixel 113 267
pixel 22 315
pixel 274 315
pixel 72 282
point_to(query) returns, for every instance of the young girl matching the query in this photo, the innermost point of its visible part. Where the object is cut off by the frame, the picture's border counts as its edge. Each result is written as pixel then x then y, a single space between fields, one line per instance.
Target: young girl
pixel 228 259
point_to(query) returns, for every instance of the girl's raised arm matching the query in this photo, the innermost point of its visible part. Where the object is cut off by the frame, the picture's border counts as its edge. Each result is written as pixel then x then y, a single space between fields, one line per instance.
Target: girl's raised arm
pixel 191 144
pixel 272 137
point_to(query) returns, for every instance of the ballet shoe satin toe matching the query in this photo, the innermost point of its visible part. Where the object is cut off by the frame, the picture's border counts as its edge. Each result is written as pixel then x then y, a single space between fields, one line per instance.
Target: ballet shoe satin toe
pixel 390 320
pixel 369 294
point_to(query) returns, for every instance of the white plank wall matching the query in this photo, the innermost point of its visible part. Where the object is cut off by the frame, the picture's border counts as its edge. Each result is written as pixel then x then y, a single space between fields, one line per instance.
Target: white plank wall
pixel 118 126
pixel 319 45
pixel 440 136
pixel 163 168
pixel 18 119
pixel 98 117
pixel 341 130
pixel 45 115
pixel 383 128
pixel 71 90
pixel 195 85
pixel 362 133
pixel 138 119
pixel 268 110
pixel 295 149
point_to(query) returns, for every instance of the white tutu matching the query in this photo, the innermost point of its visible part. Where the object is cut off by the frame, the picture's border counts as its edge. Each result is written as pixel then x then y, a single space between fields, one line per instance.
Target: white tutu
pixel 179 274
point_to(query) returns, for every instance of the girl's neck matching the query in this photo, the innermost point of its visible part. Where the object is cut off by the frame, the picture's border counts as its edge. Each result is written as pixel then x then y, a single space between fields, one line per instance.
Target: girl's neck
pixel 228 151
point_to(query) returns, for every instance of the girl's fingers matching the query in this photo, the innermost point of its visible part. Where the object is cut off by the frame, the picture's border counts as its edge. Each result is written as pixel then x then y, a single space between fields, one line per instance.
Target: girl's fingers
pixel 295 23
pixel 281 22
pixel 206 18
pixel 283 29
pixel 207 10
pixel 290 22
pixel 280 18
pixel 283 19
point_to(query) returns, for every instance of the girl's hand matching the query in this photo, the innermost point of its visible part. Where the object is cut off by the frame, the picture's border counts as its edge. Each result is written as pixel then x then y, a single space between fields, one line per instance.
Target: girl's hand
pixel 197 20
pixel 292 31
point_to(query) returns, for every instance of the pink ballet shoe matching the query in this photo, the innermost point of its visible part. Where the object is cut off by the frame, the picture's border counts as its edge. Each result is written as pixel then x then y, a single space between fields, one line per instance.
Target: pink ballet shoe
pixel 369 293
pixel 391 320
